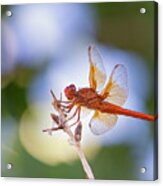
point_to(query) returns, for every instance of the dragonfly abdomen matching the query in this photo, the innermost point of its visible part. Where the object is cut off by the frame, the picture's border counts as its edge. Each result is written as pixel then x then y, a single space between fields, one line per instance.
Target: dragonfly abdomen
pixel 114 109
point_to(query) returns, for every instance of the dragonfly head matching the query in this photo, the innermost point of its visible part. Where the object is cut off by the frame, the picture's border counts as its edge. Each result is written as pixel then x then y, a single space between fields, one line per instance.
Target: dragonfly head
pixel 70 91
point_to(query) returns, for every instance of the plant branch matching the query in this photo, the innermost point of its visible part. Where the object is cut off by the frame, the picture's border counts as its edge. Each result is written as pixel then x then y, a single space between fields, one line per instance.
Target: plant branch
pixel 74 137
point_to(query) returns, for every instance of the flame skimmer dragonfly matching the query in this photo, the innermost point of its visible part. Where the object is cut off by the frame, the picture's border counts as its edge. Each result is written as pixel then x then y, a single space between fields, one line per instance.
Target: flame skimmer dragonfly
pixel 106 101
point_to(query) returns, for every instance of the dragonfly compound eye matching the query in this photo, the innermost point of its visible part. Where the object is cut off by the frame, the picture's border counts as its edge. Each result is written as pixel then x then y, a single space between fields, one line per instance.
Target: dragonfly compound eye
pixel 70 91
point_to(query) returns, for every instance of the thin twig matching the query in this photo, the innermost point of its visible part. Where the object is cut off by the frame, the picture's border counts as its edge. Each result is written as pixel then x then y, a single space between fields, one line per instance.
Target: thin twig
pixel 76 143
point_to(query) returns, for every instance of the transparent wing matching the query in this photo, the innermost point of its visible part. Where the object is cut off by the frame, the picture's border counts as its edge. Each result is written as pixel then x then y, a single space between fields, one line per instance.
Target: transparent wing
pixel 97 75
pixel 85 112
pixel 102 122
pixel 116 90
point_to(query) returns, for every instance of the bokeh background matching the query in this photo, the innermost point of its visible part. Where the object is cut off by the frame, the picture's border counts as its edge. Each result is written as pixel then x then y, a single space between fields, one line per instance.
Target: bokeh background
pixel 44 46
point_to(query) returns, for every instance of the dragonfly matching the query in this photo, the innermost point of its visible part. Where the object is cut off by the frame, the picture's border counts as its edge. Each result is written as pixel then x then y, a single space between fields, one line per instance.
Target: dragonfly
pixel 105 99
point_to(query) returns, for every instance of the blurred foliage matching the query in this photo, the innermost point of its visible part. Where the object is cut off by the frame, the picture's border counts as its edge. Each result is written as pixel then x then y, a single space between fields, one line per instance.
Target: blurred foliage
pixel 13 100
pixel 121 25
pixel 4 9
pixel 114 163
pixel 21 75
pixel 14 90
pixel 109 163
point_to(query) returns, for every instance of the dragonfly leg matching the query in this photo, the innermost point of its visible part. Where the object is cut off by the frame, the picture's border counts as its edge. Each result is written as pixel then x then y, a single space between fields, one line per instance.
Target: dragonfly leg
pixel 78 118
pixel 65 107
pixel 65 102
pixel 62 105
pixel 69 108
pixel 74 114
pixel 61 101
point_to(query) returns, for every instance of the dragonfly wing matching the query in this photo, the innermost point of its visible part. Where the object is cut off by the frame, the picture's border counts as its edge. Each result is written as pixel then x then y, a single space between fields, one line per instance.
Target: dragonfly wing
pixel 102 122
pixel 97 75
pixel 85 112
pixel 116 90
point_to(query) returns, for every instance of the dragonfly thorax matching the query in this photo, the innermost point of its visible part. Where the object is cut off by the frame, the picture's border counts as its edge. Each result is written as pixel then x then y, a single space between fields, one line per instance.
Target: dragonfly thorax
pixel 70 91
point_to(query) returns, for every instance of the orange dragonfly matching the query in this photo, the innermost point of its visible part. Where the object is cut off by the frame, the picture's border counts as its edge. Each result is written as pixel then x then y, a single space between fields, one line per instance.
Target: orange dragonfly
pixel 106 101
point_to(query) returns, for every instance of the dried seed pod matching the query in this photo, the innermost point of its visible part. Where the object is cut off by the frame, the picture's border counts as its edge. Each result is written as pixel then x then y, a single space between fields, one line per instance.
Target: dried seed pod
pixel 78 131
pixel 55 118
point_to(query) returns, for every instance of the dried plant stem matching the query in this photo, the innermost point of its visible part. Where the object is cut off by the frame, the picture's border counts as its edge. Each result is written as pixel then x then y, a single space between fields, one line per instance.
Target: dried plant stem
pixel 74 142
pixel 80 153
pixel 84 162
